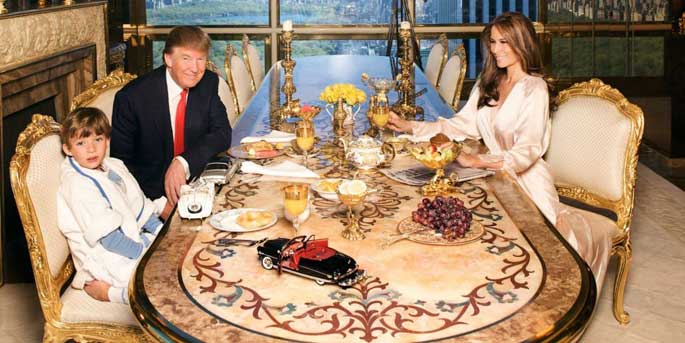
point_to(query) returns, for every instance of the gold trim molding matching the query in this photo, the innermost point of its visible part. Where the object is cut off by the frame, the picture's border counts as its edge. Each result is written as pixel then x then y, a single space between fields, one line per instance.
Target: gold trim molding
pixel 30 37
pixel 461 52
pixel 115 79
pixel 230 52
pixel 246 58
pixel 442 40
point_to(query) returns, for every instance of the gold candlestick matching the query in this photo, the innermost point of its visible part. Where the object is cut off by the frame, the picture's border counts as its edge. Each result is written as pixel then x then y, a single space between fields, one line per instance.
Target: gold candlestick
pixel 290 107
pixel 3 10
pixel 405 105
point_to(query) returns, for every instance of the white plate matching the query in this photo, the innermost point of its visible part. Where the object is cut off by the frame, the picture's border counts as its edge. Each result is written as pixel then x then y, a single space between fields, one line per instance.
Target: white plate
pixel 226 220
pixel 333 196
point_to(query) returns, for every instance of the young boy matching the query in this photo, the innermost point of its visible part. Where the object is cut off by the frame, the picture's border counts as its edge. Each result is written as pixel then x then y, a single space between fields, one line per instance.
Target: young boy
pixel 102 211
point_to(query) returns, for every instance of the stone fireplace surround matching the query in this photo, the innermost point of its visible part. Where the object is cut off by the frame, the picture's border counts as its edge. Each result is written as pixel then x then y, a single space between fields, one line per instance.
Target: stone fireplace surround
pixel 47 57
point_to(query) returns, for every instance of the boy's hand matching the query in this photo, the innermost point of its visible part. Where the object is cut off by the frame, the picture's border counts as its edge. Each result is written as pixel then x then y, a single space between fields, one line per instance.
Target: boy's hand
pixel 166 212
pixel 97 289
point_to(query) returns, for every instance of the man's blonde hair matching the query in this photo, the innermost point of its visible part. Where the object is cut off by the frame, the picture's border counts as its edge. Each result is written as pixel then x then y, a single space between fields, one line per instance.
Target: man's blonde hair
pixel 191 37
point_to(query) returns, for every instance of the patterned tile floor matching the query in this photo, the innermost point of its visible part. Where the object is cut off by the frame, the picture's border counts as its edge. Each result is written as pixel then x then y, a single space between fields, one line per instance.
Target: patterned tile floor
pixel 657 274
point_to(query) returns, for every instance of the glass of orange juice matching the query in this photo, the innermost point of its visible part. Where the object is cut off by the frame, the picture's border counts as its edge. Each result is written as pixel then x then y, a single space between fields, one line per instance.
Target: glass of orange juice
pixel 380 117
pixel 295 202
pixel 304 137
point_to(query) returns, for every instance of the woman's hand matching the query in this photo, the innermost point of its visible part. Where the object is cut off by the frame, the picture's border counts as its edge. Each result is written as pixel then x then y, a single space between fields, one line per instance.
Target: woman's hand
pixel 97 289
pixel 468 160
pixel 398 124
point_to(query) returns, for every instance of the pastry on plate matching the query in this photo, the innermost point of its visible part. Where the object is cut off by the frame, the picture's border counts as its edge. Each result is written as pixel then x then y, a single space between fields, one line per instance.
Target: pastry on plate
pixel 255 219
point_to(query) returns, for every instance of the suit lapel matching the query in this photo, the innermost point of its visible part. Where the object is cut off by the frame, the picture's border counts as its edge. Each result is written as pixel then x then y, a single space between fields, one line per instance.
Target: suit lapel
pixel 161 106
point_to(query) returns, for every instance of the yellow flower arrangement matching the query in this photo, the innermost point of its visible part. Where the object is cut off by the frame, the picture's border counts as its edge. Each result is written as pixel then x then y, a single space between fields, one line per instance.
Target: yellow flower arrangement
pixel 350 94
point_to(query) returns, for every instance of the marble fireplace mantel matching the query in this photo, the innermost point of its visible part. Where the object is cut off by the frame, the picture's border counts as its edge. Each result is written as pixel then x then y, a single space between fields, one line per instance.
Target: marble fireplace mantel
pixel 30 36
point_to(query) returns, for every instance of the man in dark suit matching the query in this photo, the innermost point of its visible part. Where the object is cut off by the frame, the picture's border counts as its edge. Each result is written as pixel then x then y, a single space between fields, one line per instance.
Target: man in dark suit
pixel 167 124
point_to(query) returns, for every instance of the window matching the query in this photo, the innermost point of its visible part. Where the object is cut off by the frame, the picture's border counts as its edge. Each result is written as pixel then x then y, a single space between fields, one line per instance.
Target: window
pixel 470 11
pixel 209 12
pixel 216 53
pixel 338 12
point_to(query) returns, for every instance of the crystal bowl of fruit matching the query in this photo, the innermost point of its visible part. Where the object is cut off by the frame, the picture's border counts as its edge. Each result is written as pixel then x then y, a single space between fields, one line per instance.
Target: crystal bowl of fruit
pixel 436 154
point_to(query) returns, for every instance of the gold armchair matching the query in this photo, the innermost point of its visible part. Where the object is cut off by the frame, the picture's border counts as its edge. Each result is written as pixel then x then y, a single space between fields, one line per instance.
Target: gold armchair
pixel 101 93
pixel 452 77
pixel 71 314
pixel 437 58
pixel 593 156
pixel 252 62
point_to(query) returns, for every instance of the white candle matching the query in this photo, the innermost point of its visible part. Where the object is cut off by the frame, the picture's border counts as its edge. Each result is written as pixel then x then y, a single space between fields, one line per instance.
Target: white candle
pixel 405 25
pixel 288 25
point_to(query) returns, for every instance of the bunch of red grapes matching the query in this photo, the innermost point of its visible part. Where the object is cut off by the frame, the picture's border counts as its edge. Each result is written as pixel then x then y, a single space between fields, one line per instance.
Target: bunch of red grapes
pixel 446 216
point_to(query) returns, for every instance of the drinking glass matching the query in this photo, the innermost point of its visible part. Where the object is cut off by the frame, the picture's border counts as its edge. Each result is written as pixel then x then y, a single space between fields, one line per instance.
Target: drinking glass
pixel 380 117
pixel 304 135
pixel 296 198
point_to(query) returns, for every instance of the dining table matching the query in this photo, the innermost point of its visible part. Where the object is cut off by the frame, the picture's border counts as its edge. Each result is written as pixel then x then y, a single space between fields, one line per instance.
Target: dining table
pixel 517 281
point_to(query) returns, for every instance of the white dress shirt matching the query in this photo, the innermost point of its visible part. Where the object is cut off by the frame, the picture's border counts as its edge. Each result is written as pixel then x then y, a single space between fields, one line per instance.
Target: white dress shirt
pixel 174 95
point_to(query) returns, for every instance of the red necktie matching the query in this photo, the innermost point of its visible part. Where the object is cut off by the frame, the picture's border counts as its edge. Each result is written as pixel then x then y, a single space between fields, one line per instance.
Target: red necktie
pixel 179 144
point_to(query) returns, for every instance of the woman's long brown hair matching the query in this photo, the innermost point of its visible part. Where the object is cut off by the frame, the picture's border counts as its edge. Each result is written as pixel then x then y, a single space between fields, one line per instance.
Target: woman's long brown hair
pixel 520 35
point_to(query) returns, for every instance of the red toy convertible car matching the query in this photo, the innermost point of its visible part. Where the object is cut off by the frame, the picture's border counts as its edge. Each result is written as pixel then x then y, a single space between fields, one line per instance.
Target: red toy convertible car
pixel 311 258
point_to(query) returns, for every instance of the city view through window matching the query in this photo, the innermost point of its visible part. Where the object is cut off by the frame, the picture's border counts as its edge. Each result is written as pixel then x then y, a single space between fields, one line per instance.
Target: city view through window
pixel 580 56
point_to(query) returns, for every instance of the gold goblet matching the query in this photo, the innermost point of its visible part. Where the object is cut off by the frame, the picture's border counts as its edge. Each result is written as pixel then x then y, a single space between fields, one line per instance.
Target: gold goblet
pixel 296 198
pixel 437 159
pixel 304 137
pixel 352 193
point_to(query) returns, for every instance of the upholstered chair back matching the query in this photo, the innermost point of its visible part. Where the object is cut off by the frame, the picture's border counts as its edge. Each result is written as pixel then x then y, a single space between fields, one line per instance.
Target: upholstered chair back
pixel 436 60
pixel 101 93
pixel 35 184
pixel 452 78
pixel 224 94
pixel 35 179
pixel 238 79
pixel 254 67
pixel 593 148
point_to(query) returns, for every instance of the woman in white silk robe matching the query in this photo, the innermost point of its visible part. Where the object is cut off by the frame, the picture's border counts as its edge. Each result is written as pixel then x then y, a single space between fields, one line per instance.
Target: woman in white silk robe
pixel 509 109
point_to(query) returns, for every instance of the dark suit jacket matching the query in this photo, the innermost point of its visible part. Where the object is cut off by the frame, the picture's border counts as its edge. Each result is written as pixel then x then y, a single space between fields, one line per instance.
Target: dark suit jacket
pixel 141 128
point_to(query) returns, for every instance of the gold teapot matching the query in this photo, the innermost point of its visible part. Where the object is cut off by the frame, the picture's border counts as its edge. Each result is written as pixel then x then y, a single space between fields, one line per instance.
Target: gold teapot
pixel 366 152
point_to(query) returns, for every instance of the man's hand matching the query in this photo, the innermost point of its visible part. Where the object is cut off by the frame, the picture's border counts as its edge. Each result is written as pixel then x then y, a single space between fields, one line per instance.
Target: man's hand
pixel 97 289
pixel 398 124
pixel 174 178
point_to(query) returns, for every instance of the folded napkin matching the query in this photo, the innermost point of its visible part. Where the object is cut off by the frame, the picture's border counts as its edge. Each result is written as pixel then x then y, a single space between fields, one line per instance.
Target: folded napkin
pixel 285 168
pixel 274 136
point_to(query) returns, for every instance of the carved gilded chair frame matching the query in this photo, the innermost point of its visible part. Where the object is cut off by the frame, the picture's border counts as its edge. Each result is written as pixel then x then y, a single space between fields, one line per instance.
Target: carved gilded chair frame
pixel 461 52
pixel 442 40
pixel 115 79
pixel 248 65
pixel 623 207
pixel 230 52
pixel 49 286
